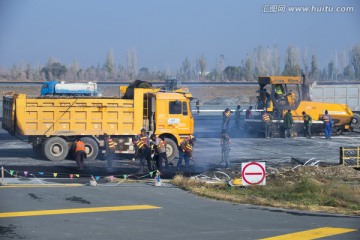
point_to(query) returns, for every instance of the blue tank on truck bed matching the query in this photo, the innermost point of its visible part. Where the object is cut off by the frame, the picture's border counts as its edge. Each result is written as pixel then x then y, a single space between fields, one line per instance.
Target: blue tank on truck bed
pixel 69 89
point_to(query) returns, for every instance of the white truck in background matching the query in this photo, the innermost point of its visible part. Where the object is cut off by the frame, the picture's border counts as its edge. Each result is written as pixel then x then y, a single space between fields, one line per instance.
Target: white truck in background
pixel 53 88
pixel 338 92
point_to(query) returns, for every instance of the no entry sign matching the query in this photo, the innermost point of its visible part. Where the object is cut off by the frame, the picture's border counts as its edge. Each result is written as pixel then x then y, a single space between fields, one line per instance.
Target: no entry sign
pixel 253 173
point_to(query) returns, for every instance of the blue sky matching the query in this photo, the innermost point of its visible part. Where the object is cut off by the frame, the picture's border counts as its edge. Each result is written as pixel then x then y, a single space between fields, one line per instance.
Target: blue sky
pixel 165 32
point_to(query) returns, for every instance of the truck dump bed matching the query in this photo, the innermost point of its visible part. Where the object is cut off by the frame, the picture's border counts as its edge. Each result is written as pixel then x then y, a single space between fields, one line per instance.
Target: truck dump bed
pixel 70 116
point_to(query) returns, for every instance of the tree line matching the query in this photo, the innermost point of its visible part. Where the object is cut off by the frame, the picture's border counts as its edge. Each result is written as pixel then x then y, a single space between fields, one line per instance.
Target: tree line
pixel 344 66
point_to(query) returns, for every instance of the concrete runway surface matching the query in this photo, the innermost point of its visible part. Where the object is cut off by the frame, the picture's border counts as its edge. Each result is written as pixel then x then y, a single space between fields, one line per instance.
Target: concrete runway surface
pixel 142 211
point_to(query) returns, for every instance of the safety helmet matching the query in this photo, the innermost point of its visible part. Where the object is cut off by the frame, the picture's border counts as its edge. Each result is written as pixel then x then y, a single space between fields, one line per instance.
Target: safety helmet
pixel 237 181
pixel 142 130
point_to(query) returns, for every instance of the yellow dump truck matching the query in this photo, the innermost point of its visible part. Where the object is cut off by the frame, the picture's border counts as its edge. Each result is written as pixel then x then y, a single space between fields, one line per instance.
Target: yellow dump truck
pixel 278 94
pixel 53 123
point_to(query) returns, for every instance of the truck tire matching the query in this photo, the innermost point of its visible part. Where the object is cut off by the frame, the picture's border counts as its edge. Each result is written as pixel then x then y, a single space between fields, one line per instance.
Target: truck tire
pixel 55 149
pixel 91 148
pixel 172 150
pixel 355 121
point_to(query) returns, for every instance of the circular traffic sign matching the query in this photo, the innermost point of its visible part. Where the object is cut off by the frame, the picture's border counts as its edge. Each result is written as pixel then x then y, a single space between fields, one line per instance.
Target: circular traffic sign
pixel 251 173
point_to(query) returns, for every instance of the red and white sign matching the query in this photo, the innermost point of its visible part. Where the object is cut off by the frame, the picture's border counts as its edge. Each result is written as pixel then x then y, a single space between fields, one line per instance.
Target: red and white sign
pixel 253 173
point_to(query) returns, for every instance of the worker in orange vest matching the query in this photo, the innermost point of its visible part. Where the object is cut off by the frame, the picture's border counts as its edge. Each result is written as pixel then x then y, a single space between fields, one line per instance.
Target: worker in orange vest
pixel 185 152
pixel 142 150
pixel 160 151
pixel 109 150
pixel 80 153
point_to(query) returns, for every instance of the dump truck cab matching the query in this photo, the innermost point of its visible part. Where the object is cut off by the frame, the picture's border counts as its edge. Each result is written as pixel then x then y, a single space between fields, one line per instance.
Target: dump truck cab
pixel 166 113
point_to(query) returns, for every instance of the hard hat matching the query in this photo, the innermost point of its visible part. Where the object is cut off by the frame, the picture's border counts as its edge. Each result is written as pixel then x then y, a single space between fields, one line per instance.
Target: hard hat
pixel 142 130
pixel 237 182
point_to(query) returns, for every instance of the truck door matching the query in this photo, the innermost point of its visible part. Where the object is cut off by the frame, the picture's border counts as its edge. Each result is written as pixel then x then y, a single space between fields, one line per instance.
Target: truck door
pixel 180 116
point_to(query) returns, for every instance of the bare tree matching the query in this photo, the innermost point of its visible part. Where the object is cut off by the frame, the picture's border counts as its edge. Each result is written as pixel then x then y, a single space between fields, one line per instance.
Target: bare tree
pixel 258 61
pixel 109 65
pixel 305 62
pixel 276 61
pixel 185 70
pixel 131 63
pixel 202 65
pixel 29 72
pixel 292 59
pixel 267 62
pixel 355 60
pixel 331 70
pixel 342 63
pixel 314 68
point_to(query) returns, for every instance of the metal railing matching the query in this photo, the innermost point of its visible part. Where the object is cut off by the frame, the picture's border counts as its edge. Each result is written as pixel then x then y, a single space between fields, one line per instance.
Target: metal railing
pixel 350 156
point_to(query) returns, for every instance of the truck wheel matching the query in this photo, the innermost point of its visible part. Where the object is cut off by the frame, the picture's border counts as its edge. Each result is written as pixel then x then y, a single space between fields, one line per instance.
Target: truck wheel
pixel 355 121
pixel 171 150
pixel 38 151
pixel 55 149
pixel 91 148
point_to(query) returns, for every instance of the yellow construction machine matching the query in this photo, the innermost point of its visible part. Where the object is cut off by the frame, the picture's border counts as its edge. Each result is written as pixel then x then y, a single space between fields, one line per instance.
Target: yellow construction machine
pixel 278 94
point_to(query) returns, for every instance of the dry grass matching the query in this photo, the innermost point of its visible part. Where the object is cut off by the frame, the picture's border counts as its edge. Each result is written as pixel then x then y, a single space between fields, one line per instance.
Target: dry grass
pixel 298 189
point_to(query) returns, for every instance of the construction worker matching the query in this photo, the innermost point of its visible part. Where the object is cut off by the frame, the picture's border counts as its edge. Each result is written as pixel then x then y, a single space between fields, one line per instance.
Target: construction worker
pixel 264 99
pixel 160 152
pixel 109 150
pixel 185 152
pixel 327 125
pixel 288 122
pixel 142 150
pixel 80 153
pixel 279 90
pixel 225 149
pixel 307 124
pixel 267 95
pixel 266 118
pixel 248 114
pixel 226 115
pixel 198 106
pixel 237 116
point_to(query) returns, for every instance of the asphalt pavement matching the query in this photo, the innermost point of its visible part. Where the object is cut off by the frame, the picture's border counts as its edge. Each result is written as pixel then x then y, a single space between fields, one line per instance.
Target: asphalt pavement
pixel 165 212
pixel 169 213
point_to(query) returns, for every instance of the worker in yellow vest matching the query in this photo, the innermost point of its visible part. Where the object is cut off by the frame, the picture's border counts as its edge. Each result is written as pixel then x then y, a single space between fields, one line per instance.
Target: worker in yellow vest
pixel 307 124
pixel 266 118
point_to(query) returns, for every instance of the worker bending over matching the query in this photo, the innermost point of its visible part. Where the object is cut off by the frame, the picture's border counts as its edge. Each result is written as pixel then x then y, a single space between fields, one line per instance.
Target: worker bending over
pixel 160 152
pixel 185 152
